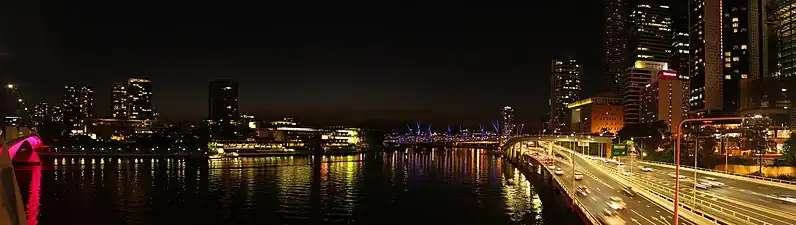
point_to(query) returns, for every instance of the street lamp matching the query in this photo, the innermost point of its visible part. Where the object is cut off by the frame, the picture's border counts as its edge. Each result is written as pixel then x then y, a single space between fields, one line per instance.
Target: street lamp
pixel 677 160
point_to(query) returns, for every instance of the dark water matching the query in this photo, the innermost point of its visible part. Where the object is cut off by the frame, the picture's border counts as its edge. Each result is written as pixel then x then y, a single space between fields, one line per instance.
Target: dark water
pixel 431 187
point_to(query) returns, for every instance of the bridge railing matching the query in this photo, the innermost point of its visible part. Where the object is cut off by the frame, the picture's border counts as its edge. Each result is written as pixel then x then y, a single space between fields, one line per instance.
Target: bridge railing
pixel 723 172
pixel 686 200
pixel 667 193
pixel 575 201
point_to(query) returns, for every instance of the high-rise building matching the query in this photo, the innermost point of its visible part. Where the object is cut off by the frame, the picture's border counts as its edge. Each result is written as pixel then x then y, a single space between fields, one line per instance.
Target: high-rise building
pixel 78 104
pixel 706 70
pixel 507 123
pixel 662 99
pixel 650 33
pixel 57 113
pixel 41 113
pixel 782 84
pixel 597 115
pixel 744 39
pixel 223 105
pixel 615 41
pixel 564 89
pixel 636 79
pixel 119 101
pixel 140 99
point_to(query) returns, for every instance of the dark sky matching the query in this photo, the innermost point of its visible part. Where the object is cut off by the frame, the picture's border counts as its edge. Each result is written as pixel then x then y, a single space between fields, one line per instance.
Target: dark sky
pixel 446 62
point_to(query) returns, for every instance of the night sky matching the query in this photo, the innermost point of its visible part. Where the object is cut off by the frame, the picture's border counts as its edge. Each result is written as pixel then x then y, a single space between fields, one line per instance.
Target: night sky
pixel 447 62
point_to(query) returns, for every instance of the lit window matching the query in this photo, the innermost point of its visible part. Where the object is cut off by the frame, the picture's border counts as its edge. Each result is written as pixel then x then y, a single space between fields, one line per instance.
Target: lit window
pixel 743 46
pixel 735 19
pixel 727 65
pixel 744 76
pixel 727 77
pixel 728 53
pixel 736 59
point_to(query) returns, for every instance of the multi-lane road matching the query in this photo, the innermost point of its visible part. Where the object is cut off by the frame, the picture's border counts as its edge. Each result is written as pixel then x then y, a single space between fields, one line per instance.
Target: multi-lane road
pixel 639 210
pixel 738 201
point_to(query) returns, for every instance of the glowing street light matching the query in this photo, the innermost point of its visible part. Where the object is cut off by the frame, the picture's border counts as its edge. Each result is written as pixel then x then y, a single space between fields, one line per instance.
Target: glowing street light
pixel 10 86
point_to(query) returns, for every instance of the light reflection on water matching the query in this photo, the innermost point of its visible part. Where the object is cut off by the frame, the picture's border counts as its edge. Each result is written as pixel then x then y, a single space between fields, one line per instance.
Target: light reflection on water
pixel 462 186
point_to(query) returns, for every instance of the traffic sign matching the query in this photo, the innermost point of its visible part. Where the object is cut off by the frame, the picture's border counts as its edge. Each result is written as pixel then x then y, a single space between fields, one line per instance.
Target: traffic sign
pixel 618 150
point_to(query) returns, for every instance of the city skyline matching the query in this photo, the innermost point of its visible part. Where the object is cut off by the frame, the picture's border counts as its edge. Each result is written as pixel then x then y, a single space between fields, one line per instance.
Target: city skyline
pixel 394 72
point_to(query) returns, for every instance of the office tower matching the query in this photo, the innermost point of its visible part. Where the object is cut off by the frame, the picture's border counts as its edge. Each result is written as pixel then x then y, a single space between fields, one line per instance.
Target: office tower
pixel 782 84
pixel 223 105
pixel 507 123
pixel 41 113
pixel 57 113
pixel 650 33
pixel 140 99
pixel 636 79
pixel 745 49
pixel 663 99
pixel 564 89
pixel 705 72
pixel 615 41
pixel 597 115
pixel 119 101
pixel 77 106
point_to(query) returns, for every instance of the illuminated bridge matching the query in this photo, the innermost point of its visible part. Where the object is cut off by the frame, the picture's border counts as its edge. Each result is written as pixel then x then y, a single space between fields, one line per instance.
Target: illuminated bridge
pixel 24 149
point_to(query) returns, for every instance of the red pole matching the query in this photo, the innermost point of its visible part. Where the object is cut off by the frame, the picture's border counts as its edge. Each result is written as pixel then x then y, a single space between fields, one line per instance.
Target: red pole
pixel 677 159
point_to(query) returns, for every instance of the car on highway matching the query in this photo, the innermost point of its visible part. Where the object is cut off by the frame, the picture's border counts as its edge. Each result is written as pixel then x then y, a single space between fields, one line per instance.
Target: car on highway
pixel 629 191
pixel 710 178
pixel 611 217
pixel 627 173
pixel 583 191
pixel 646 169
pixel 559 171
pixel 578 176
pixel 712 183
pixel 552 167
pixel 674 175
pixel 620 164
pixel 616 203
pixel 784 198
pixel 702 186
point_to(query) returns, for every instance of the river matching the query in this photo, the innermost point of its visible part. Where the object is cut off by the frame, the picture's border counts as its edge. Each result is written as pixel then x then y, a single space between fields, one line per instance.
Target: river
pixel 459 186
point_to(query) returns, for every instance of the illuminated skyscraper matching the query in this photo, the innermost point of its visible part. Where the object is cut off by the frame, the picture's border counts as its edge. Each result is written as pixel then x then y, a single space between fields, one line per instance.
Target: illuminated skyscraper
pixel 636 79
pixel 615 41
pixel 140 99
pixel 650 32
pixel 119 101
pixel 41 113
pixel 507 123
pixel 78 104
pixel 564 89
pixel 706 69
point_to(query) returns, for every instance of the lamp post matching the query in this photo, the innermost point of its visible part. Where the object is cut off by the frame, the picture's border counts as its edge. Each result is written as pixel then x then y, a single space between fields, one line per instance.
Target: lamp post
pixel 677 159
pixel 642 147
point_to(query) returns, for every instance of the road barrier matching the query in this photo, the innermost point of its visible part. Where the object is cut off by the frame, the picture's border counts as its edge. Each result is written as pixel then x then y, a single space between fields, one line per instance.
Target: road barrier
pixel 774 182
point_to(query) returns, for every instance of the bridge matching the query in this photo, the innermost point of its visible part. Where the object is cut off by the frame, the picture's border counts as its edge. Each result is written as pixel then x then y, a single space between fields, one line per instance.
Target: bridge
pixel 732 199
pixel 22 149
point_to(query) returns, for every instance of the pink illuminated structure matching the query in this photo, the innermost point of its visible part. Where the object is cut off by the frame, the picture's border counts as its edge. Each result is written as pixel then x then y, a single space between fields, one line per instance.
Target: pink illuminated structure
pixel 35 144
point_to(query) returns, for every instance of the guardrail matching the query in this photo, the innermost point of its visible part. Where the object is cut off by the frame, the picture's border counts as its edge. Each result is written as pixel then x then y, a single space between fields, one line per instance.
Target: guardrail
pixel 686 199
pixel 575 201
pixel 724 172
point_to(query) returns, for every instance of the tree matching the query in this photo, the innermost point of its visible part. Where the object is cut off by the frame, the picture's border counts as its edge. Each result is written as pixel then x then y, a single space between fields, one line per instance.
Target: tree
pixel 755 131
pixel 789 152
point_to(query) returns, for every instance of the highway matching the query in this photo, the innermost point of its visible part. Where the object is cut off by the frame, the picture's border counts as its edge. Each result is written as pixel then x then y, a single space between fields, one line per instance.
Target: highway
pixel 738 202
pixel 639 210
